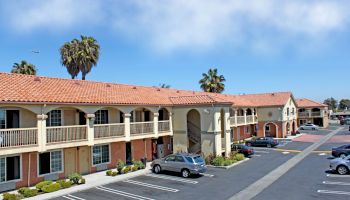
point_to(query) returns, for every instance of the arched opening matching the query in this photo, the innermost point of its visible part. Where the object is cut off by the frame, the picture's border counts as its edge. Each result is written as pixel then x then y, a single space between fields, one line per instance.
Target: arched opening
pixel 249 111
pixel 141 115
pixel 65 116
pixel 194 131
pixel 163 114
pixel 240 112
pixel 270 130
pixel 17 117
pixel 288 128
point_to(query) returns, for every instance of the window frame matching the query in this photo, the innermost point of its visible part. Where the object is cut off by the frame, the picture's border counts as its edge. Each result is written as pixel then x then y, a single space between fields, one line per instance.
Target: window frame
pixel 62 163
pixel 48 120
pixel 20 168
pixel 109 154
pixel 99 112
pixel 269 128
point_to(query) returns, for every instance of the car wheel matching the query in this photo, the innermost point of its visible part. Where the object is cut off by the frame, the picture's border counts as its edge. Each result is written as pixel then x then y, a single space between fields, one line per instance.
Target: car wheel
pixel 269 145
pixel 342 170
pixel 342 155
pixel 157 169
pixel 185 173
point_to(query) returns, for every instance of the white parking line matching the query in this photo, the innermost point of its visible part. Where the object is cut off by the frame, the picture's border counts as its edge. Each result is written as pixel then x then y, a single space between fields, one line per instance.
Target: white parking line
pixel 285 152
pixel 333 192
pixel 261 151
pixel 338 176
pixel 71 197
pixel 151 186
pixel 335 183
pixel 207 175
pixel 121 193
pixel 172 178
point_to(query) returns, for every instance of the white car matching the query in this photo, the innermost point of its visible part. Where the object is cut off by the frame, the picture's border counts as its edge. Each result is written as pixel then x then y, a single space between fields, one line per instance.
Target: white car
pixel 309 127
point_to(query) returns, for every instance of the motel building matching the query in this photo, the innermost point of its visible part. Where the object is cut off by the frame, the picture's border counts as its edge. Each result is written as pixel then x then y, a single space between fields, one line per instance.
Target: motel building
pixel 310 111
pixel 52 127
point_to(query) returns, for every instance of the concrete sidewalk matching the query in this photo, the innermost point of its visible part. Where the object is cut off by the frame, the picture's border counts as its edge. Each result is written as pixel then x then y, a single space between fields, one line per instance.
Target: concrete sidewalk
pixel 92 180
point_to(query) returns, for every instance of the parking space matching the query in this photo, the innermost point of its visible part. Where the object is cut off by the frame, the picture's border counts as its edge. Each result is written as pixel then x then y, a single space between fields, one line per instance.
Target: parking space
pixel 334 187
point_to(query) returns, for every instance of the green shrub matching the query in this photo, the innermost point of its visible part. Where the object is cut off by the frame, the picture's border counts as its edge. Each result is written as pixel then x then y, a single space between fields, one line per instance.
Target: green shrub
pixel 75 177
pixel 51 188
pixel 138 164
pixel 218 161
pixel 27 192
pixel 120 166
pixel 40 185
pixel 126 169
pixel 134 168
pixel 209 159
pixel 227 162
pixel 239 157
pixel 64 184
pixel 82 181
pixel 109 172
pixel 8 196
pixel 115 173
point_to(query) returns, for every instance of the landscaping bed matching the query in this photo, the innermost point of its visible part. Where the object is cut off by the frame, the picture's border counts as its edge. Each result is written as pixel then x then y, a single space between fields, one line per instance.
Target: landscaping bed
pixel 225 162
pixel 122 168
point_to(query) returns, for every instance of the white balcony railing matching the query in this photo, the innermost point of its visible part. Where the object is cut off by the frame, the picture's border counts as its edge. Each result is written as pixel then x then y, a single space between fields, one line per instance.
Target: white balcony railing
pixel 18 137
pixel 250 119
pixel 59 134
pixel 137 128
pixel 232 121
pixel 316 114
pixel 163 126
pixel 109 130
pixel 240 120
pixel 303 114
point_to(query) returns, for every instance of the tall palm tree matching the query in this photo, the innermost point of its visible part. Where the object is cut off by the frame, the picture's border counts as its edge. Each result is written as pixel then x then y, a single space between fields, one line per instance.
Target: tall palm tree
pixel 23 68
pixel 80 56
pixel 212 82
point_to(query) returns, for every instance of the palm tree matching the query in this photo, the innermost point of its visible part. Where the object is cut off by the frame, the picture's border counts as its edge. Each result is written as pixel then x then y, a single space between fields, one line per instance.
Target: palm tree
pixel 23 68
pixel 163 85
pixel 212 82
pixel 80 56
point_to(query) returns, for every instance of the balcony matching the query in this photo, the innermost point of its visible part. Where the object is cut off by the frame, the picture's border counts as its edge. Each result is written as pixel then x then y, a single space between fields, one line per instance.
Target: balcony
pixel 140 128
pixel 303 114
pixel 163 126
pixel 309 114
pixel 240 120
pixel 18 137
pixel 250 119
pixel 109 130
pixel 316 114
pixel 63 134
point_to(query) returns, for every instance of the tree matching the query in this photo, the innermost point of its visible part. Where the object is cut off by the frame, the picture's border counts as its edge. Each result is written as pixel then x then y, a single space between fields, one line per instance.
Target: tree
pixel 332 103
pixel 344 104
pixel 80 55
pixel 23 68
pixel 163 85
pixel 212 82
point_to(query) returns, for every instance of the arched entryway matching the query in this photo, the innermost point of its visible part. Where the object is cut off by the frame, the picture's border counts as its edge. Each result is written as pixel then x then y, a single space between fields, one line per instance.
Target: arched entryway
pixel 270 130
pixel 194 131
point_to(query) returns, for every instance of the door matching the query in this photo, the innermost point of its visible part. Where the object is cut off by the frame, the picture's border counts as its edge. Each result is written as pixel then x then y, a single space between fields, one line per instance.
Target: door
pixel 128 153
pixel 168 163
pixel 82 119
pixel 70 160
pixel 12 118
pixel 84 160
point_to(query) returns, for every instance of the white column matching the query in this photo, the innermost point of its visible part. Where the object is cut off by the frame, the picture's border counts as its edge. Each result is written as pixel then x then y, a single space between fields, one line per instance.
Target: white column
pixel 253 115
pixel 171 122
pixel 90 119
pixel 41 124
pixel 235 115
pixel 245 115
pixel 155 124
pixel 227 135
pixel 127 126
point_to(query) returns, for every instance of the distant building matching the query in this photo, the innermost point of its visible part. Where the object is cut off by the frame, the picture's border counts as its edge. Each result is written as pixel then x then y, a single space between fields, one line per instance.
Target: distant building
pixel 310 111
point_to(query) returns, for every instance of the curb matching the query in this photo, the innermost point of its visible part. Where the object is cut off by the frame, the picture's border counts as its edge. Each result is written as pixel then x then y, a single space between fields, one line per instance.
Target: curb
pixel 230 166
pixel 89 186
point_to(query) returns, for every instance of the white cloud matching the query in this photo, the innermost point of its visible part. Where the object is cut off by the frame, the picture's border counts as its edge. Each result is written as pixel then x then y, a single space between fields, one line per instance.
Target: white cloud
pixel 193 24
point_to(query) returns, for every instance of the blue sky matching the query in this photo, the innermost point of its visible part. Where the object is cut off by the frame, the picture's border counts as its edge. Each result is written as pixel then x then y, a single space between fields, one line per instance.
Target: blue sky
pixel 264 46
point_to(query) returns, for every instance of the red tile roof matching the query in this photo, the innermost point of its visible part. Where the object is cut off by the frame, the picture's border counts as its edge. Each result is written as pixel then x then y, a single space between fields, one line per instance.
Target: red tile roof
pixel 308 103
pixel 18 88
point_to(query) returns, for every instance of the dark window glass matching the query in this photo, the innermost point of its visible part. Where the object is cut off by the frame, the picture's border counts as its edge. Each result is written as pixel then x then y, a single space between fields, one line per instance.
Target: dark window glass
pixel 44 163
pixel 179 159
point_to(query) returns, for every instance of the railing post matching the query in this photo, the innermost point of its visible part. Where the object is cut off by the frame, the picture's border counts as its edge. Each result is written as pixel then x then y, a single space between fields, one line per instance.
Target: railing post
pixel 127 126
pixel 41 124
pixel 245 116
pixel 90 118
pixel 155 124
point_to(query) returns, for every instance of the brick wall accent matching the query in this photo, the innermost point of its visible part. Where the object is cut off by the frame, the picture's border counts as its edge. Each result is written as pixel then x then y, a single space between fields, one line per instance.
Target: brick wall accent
pixel 141 148
pixel 117 153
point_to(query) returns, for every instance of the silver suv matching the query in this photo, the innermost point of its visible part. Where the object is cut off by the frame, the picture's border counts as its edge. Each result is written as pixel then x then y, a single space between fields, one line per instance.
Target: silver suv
pixel 340 165
pixel 186 164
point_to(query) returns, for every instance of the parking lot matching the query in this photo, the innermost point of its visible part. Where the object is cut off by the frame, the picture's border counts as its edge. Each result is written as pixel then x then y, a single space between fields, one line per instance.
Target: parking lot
pixel 307 180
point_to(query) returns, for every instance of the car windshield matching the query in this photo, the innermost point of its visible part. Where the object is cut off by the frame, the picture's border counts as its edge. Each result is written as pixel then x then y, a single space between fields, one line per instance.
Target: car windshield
pixel 198 159
pixel 189 159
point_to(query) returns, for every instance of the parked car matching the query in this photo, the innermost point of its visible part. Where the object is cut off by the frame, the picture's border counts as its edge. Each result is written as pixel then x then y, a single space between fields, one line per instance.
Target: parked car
pixel 340 165
pixel 262 141
pixel 184 163
pixel 341 151
pixel 244 149
pixel 309 127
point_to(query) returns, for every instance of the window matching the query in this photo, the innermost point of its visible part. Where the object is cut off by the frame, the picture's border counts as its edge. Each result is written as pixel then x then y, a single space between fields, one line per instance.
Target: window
pixel 198 159
pixel 100 154
pixel 179 159
pixel 287 111
pixel 10 168
pixel 267 128
pixel 247 129
pixel 293 111
pixel 170 158
pixel 189 159
pixel 54 118
pixel 50 162
pixel 2 118
pixel 101 117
